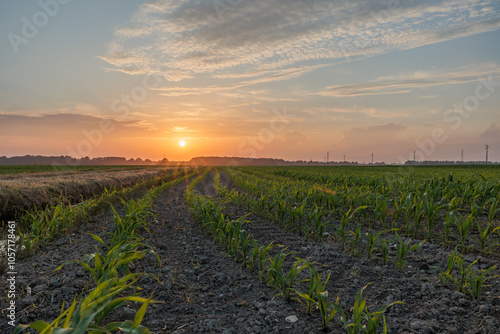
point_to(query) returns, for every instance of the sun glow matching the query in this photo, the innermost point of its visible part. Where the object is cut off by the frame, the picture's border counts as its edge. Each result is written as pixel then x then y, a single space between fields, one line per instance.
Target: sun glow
pixel 182 143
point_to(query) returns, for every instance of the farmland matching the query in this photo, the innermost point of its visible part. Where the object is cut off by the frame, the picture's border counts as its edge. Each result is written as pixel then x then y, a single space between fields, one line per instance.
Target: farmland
pixel 271 250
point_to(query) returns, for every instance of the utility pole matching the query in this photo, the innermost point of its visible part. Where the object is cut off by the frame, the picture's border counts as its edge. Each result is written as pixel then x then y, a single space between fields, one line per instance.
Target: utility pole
pixel 327 157
pixel 344 157
pixel 487 147
pixel 372 158
pixel 462 155
pixel 414 152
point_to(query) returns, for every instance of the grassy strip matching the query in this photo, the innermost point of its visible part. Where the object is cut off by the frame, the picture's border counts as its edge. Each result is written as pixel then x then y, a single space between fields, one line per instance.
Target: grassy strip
pixel 19 193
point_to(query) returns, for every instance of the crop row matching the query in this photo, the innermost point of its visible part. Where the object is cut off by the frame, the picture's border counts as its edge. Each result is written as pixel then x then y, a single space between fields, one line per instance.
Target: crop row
pixel 312 222
pixel 231 235
pixel 424 213
pixel 110 274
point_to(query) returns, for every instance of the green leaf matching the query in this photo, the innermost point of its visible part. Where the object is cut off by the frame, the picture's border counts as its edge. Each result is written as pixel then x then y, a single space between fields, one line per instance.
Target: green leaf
pixel 37 325
pixel 142 311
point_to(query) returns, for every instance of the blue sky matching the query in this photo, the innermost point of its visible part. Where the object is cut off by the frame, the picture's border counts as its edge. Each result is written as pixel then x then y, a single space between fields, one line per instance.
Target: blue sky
pixel 286 79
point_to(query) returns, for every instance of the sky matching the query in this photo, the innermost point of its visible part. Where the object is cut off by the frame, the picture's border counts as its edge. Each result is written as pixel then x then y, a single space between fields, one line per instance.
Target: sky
pixel 289 79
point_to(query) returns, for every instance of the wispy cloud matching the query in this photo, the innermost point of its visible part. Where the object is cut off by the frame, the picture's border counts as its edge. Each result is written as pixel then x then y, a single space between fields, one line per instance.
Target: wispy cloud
pixel 406 83
pixel 183 38
pixel 371 136
pixel 273 76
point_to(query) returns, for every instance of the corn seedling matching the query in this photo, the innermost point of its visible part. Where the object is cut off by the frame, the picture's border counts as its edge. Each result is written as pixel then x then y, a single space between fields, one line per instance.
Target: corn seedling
pixel 355 241
pixel 468 280
pixel 310 299
pixel 372 240
pixel 384 249
pixel 90 312
pixel 485 232
pixel 320 225
pixel 344 222
pixel 431 209
pixel 464 228
pixel 450 220
pixel 418 216
pixel 317 296
pixel 402 250
pixel 284 282
pixel 362 319
pixel 476 281
pixel 245 241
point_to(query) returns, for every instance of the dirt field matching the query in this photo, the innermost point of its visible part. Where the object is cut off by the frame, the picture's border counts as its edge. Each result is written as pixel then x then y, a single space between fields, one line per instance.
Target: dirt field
pixel 204 291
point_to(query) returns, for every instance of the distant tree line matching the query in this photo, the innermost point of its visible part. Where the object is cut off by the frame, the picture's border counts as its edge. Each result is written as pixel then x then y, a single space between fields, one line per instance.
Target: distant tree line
pixel 69 161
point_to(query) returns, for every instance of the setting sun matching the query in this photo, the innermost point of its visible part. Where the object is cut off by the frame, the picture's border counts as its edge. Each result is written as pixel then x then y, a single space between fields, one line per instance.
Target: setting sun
pixel 182 143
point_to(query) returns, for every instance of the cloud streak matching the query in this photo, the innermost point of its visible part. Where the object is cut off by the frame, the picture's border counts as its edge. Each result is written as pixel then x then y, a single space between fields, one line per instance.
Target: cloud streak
pixel 408 82
pixel 183 38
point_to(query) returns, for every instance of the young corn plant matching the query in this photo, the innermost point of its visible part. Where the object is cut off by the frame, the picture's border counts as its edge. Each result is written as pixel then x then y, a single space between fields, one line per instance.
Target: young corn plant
pixel 476 281
pixel 464 228
pixel 355 240
pixel 245 240
pixel 450 266
pixel 485 232
pixel 285 283
pixel 344 222
pixel 309 299
pixel 402 250
pixel 409 210
pixel 363 320
pixel 494 209
pixel 88 315
pixel 466 279
pixel 380 211
pixel 450 220
pixel 258 258
pixel 384 246
pixel 280 211
pixel 320 225
pixel 373 240
pixel 317 297
pixel 432 210
pixel 296 216
pixel 418 216
pixel 397 213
